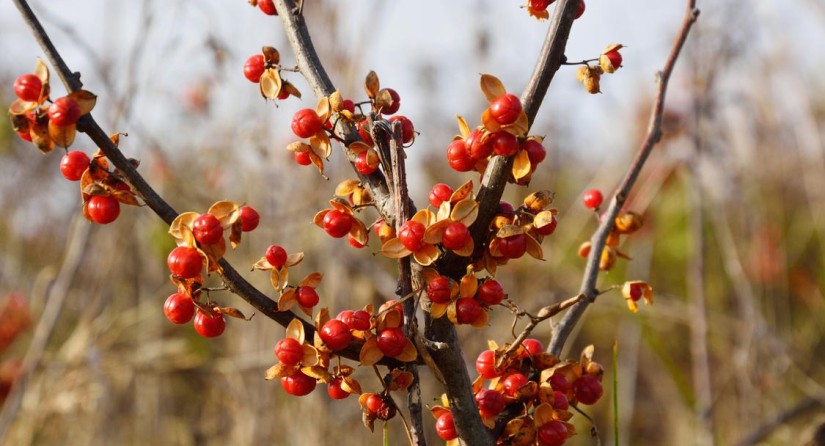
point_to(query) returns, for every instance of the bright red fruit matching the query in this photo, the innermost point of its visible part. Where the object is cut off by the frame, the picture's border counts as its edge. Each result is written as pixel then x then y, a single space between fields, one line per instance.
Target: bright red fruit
pixel 456 235
pixel 276 256
pixel 289 351
pixel 533 346
pixel 439 290
pixel 64 111
pixel 210 326
pixel 478 146
pixel 337 223
pixel 579 10
pixel 513 247
pixel 505 109
pixel 504 143
pixel 335 334
pixel 593 198
pixel 249 218
pixel 588 389
pixel 207 229
pixel 73 164
pixel 185 262
pixel 439 194
pixel 27 87
pixel 514 382
pixel 374 402
pixel 535 152
pixel 25 135
pixel 458 157
pixel 490 292
pixel 467 310
pixel 354 242
pixel 540 5
pixel 615 58
pixel 363 165
pixel 363 130
pixel 560 401
pixel 486 364
pixel 306 123
pixel 411 235
pixel 103 209
pixel 355 320
pixel 348 105
pixel 335 391
pixel 445 427
pixel 268 7
pixel 303 158
pixel 407 128
pixel 391 341
pixel 559 382
pixel 254 67
pixel 396 102
pixel 552 433
pixel 306 296
pixel 179 308
pixel 298 384
pixel 490 402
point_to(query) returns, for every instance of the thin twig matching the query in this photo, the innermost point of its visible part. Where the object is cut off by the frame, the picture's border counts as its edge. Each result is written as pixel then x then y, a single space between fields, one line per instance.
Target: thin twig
pixel 764 431
pixel 562 330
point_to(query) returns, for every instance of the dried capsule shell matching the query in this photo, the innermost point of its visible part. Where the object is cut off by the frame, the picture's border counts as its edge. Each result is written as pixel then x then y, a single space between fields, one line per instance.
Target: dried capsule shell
pixel 608 259
pixel 584 250
pixel 538 201
pixel 628 222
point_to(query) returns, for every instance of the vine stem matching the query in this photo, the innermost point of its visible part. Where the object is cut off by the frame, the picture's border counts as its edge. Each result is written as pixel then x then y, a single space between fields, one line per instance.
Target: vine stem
pixel 562 330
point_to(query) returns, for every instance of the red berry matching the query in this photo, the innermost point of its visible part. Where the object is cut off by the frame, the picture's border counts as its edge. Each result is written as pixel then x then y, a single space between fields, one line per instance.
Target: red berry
pixel 374 402
pixel 411 235
pixel 540 5
pixel 456 235
pixel 354 242
pixel 25 135
pixel 283 94
pixel 513 247
pixel 254 68
pixel 535 152
pixel 298 384
pixel 467 310
pixel 348 105
pixel 505 208
pixel 337 223
pixel 363 130
pixel 439 194
pixel 505 109
pixel 439 290
pixel 579 10
pixel 548 228
pixel 64 111
pixel 479 146
pixel 276 256
pixel 303 158
pixel 490 292
pixel 396 102
pixel 249 218
pixel 458 157
pixel 407 128
pixel 364 165
pixel 355 320
pixel 185 262
pixel 559 382
pixel 335 334
pixel 615 58
pixel 593 198
pixel 588 389
pixel 207 229
pixel 289 351
pixel 210 326
pixel 636 291
pixel 552 433
pixel 445 427
pixel 179 308
pixel 391 341
pixel 28 87
pixel 73 164
pixel 504 143
pixel 103 209
pixel 560 401
pixel 306 296
pixel 306 123
pixel 486 364
pixel 513 382
pixel 533 346
pixel 490 402
pixel 380 406
pixel 335 391
pixel 268 7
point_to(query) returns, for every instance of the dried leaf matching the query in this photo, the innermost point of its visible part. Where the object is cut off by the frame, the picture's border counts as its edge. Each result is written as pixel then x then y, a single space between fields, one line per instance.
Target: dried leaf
pixel 286 302
pixel 358 147
pixel 86 100
pixel 41 70
pixel 463 128
pixel 492 87
pixel 468 285
pixel 235 232
pixel 295 330
pixel 543 414
pixel 425 217
pixel 489 123
pixel 320 145
pixel 520 127
pixel 294 258
pixel 451 313
pixel 227 212
pixel 465 211
pixel 62 135
pixel 233 312
pixel 371 84
pixel 466 250
pixel 463 191
pixel 438 310
pixel 427 255
pixel 214 253
pixel 318 219
pixel 323 109
pixel 509 231
pixel 394 249
pixel 126 197
pixel 482 320
pixel 317 372
pixel 270 83
pixel 383 100
pixel 312 280
pixel 278 278
pixel 299 146
pixel 289 88
pixel 534 247
pixel 182 225
pixel 346 187
pixel 350 385
pixel 336 101
pixel 521 165
pixel 370 353
pixel 271 55
pixel 40 137
pixel 359 232
pixel 435 232
pixel 310 357
pixel 409 353
pixel 279 371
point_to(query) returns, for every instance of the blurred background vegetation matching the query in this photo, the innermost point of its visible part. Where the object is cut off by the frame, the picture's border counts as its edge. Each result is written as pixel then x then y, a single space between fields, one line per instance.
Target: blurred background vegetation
pixel 734 200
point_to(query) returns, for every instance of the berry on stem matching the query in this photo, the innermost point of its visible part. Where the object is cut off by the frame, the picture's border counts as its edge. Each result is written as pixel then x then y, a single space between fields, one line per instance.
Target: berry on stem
pixel 298 384
pixel 179 308
pixel 490 402
pixel 513 247
pixel 335 391
pixel 276 256
pixel 486 364
pixel 337 223
pixel 411 235
pixel 504 143
pixel 506 109
pixel 306 123
pixel 391 341
pixel 303 158
pixel 396 102
pixel 593 198
pixel 207 229
pixel 407 128
pixel 306 296
pixel 185 262
pixel 445 427
pixel 249 218
pixel 439 290
pixel 103 209
pixel 254 68
pixel 458 157
pixel 73 164
pixel 289 351
pixel 467 310
pixel 456 235
pixel 490 292
pixel 439 194
pixel 210 326
pixel 27 87
pixel 268 7
pixel 64 111
pixel 335 334
pixel 552 433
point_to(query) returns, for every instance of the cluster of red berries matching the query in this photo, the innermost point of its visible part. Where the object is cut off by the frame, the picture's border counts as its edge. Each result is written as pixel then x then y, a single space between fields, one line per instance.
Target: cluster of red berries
pixel 538 8
pixel 465 303
pixel 179 308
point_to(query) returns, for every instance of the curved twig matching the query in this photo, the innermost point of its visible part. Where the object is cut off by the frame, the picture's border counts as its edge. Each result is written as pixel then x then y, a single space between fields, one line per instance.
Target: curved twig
pixel 562 330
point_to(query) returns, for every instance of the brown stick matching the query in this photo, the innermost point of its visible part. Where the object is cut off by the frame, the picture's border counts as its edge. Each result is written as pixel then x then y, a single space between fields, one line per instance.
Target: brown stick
pixel 562 330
